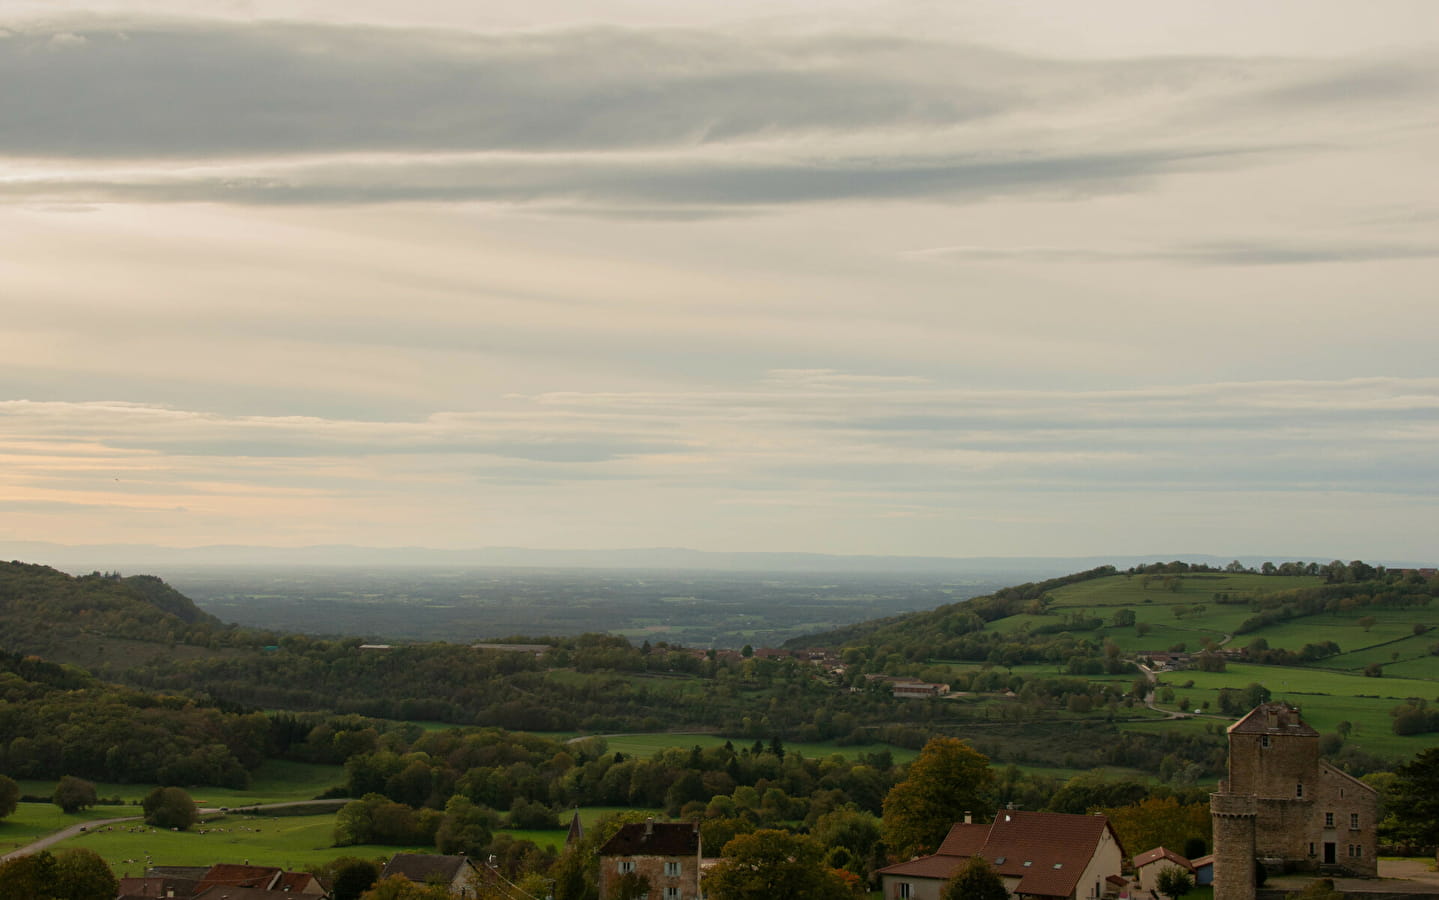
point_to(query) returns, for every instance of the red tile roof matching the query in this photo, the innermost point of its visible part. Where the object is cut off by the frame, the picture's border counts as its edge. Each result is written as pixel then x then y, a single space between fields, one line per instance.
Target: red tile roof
pixel 1047 852
pixel 964 839
pixel 1158 853
pixel 295 881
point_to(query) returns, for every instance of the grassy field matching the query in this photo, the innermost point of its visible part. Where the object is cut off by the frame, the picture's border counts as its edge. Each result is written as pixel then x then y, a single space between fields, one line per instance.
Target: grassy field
pixel 1326 697
pixel 32 821
pixel 291 842
pixel 276 781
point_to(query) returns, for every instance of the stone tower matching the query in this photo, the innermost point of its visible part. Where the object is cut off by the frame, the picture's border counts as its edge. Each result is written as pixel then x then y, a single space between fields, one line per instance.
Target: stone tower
pixel 1234 820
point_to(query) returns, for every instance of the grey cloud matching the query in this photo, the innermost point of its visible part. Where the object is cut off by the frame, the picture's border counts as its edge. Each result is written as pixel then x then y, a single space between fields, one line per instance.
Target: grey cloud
pixel 1361 83
pixel 618 184
pixel 176 90
pixel 1259 252
pixel 1271 253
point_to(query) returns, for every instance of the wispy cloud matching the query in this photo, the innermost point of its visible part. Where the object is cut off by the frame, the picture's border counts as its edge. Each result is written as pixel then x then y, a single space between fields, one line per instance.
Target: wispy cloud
pixel 1257 252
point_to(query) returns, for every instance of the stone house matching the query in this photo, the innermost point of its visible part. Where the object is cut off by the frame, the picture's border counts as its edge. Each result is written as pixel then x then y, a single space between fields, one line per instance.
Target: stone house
pixel 666 854
pixel 1285 806
pixel 1042 855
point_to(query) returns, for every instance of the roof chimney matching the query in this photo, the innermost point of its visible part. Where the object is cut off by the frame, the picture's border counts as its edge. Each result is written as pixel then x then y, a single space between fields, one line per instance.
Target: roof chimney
pixel 968 817
pixel 649 826
pixel 1273 718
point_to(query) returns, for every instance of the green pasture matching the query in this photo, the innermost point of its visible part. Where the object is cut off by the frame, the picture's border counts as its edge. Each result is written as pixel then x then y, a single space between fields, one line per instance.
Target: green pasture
pixel 1293 683
pixel 1411 651
pixel 1344 628
pixel 1326 698
pixel 1130 590
pixel 291 842
pixel 32 821
pixel 1164 634
pixel 276 781
pixel 1423 667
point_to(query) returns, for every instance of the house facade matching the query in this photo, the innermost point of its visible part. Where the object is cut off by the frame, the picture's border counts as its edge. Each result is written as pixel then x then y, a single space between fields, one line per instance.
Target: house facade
pixel 1040 855
pixel 1151 863
pixel 665 854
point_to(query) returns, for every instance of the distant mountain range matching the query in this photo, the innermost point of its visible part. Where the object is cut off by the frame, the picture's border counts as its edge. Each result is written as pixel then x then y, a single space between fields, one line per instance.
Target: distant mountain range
pixel 133 557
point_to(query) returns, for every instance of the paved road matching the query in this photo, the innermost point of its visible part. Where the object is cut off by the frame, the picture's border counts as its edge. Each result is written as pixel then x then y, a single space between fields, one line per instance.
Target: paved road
pixel 65 834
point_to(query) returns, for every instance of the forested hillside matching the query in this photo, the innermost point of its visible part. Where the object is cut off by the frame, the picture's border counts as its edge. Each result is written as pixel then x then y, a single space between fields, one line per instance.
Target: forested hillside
pixel 63 617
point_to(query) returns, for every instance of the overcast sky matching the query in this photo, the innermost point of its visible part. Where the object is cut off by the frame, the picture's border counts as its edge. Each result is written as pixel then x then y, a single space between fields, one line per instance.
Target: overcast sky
pixel 962 277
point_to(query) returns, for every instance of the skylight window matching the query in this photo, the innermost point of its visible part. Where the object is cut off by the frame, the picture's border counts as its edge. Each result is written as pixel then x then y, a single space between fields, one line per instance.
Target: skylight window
pixel 1059 865
pixel 1028 863
pixel 1000 861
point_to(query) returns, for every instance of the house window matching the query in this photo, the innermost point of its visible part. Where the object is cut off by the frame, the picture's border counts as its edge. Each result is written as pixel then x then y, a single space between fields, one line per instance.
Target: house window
pixel 1299 789
pixel 626 867
pixel 1311 848
pixel 902 890
pixel 1354 821
pixel 1329 820
pixel 1264 740
pixel 672 869
pixel 672 893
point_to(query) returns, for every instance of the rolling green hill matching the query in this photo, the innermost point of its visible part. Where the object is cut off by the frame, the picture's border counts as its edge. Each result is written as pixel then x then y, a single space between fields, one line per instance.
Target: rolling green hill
pixel 1348 644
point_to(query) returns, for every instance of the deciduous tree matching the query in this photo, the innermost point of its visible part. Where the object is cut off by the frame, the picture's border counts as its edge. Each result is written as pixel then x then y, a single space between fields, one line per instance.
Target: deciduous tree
pixel 170 807
pixel 976 881
pixel 769 864
pixel 74 794
pixel 948 779
pixel 9 796
pixel 1414 799
pixel 1174 882
pixel 81 874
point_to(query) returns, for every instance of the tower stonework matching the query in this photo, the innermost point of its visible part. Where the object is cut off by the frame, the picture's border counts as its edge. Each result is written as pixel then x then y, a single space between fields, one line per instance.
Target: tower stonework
pixel 1234 818
pixel 1286 807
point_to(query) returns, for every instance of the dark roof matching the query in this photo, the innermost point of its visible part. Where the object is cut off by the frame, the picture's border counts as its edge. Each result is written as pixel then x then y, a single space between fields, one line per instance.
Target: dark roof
pixel 157 886
pixel 1273 718
pixel 424 868
pixel 232 875
pixel 1047 852
pixel 577 830
pixel 223 892
pixel 194 872
pixel 654 839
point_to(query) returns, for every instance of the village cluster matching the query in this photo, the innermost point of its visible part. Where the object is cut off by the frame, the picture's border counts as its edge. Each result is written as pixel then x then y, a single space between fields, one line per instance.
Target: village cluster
pixel 1282 807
